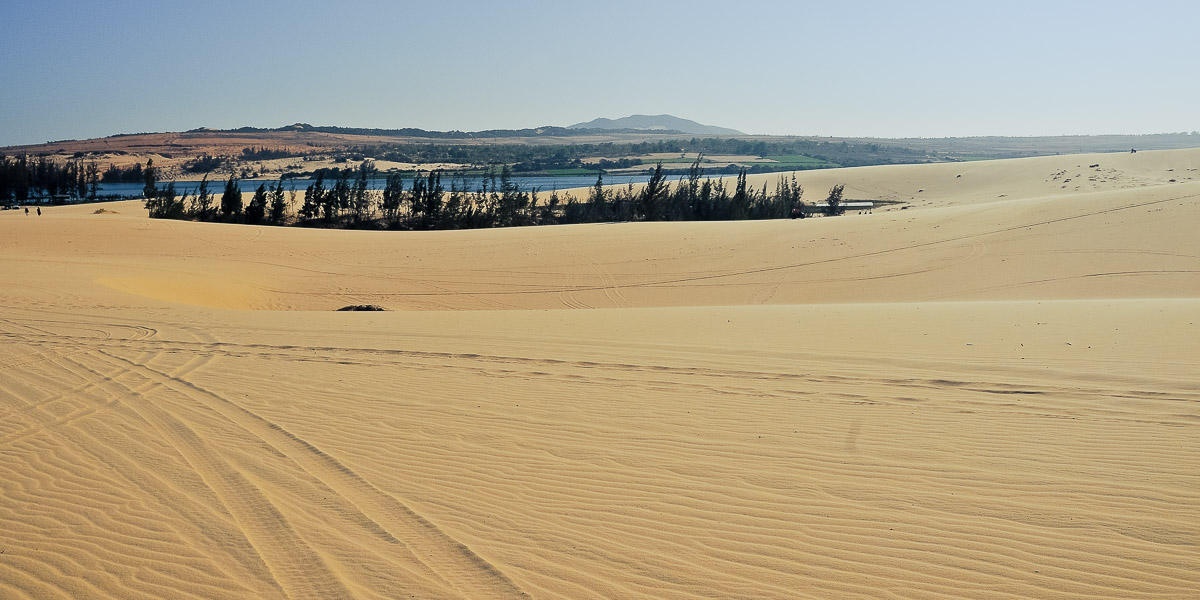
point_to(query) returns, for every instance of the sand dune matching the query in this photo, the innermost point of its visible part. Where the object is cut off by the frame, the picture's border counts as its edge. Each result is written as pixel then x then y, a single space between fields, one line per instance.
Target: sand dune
pixel 992 394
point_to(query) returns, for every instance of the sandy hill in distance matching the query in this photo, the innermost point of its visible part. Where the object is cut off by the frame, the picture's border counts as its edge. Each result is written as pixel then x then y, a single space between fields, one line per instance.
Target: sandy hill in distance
pixel 989 394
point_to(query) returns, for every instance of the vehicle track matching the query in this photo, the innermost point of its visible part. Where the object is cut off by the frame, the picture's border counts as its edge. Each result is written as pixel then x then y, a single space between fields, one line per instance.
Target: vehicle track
pixel 446 559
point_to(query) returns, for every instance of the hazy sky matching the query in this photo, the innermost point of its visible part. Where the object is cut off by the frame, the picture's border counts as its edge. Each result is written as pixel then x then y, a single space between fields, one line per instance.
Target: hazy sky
pixel 89 69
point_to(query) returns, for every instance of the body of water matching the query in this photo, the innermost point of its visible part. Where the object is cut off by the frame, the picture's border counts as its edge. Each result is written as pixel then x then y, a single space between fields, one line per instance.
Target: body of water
pixel 248 186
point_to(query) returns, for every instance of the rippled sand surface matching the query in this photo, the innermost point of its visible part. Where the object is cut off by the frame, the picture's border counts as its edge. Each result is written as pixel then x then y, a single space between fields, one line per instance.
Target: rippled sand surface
pixel 992 393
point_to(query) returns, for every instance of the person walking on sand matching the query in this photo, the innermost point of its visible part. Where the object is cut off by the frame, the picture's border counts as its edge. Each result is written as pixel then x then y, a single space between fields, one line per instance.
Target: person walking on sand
pixel 27 211
pixel 39 209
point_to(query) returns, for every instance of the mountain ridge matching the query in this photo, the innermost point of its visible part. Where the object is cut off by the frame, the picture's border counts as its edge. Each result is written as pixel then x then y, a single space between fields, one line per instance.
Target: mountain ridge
pixel 662 122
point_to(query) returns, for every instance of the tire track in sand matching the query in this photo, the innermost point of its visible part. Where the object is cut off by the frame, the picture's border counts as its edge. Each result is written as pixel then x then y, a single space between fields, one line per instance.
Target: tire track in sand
pixel 447 559
pixel 297 569
pixel 612 289
pixel 209 529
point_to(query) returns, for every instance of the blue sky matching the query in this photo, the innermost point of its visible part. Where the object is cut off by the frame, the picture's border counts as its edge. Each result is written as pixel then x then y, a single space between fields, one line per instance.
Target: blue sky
pixel 89 69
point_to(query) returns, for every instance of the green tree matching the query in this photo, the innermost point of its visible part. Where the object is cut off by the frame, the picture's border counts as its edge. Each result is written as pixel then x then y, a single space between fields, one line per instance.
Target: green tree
pixel 337 198
pixel 360 197
pixel 426 200
pixel 21 180
pixel 256 210
pixel 789 196
pixel 683 203
pixel 202 204
pixel 652 202
pixel 739 205
pixel 79 176
pixel 150 178
pixel 434 193
pixel 231 200
pixel 92 176
pixel 511 200
pixel 278 204
pixel 314 198
pixel 833 203
pixel 393 196
pixel 597 208
pixel 163 204
pixel 8 176
pixel 454 209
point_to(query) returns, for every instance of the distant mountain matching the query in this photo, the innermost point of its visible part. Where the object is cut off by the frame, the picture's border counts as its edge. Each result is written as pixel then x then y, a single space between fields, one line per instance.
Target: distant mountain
pixel 655 123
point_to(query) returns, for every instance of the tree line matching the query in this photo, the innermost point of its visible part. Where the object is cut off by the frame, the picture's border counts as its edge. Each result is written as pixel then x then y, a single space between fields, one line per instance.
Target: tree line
pixel 23 179
pixel 426 202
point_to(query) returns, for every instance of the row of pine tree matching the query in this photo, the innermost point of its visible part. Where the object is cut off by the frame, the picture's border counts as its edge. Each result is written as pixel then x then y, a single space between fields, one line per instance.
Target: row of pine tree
pixel 425 203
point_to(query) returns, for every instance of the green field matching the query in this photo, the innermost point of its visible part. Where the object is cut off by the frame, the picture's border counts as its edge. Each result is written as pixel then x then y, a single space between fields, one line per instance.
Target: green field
pixel 673 161
pixel 800 160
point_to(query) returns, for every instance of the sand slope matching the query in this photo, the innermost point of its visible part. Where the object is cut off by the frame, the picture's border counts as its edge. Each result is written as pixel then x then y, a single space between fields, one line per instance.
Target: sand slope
pixel 980 396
